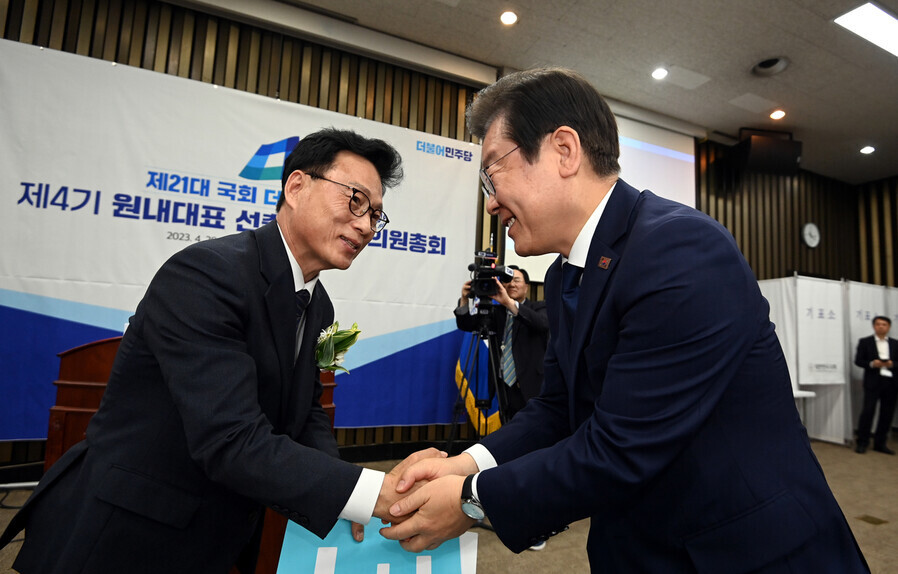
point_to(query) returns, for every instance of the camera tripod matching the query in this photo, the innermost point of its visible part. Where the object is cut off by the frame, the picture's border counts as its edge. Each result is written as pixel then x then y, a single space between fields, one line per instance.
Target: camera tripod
pixel 482 392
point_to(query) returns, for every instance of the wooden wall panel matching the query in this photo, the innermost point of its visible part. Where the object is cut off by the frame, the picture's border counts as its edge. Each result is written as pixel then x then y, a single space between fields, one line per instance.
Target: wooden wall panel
pixel 877 231
pixel 174 40
pixel 765 214
pixel 4 14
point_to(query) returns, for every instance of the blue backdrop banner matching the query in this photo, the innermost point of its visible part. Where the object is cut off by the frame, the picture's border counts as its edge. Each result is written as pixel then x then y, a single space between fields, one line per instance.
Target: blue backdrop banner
pixel 107 170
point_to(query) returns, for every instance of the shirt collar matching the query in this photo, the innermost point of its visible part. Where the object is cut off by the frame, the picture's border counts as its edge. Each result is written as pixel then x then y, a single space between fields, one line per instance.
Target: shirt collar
pixel 298 281
pixel 580 249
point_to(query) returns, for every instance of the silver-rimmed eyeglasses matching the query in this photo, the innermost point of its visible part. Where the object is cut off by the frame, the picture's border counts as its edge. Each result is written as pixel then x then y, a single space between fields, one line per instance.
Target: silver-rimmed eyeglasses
pixel 360 204
pixel 489 190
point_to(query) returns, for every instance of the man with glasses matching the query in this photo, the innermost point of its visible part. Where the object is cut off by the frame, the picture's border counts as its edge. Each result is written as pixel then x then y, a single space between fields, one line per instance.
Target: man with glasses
pixel 666 415
pixel 211 412
pixel 523 345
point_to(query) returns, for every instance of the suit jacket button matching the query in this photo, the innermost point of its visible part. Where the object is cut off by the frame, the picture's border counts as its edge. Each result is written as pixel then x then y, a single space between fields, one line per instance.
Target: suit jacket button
pixel 303 521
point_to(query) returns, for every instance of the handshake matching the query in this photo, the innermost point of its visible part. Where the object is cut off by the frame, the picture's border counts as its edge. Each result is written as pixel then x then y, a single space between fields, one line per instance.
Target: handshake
pixel 421 500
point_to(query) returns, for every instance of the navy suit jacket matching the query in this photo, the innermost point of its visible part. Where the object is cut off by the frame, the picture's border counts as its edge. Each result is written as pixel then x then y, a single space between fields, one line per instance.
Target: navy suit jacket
pixel 204 422
pixel 867 353
pixel 666 414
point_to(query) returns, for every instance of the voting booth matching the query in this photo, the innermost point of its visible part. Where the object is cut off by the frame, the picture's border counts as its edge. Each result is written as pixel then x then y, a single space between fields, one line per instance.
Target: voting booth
pixel 818 323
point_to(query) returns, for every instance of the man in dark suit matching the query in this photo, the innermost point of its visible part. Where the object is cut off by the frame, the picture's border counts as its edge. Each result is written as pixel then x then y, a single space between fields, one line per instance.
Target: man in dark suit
pixel 667 414
pixel 211 412
pixel 875 355
pixel 521 363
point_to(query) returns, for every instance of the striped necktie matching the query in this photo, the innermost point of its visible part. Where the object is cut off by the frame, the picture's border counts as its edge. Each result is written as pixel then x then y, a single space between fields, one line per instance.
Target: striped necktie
pixel 508 370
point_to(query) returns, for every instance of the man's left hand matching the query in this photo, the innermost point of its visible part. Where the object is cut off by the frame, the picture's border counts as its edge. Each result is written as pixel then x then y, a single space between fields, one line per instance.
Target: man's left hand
pixel 388 493
pixel 437 515
pixel 503 298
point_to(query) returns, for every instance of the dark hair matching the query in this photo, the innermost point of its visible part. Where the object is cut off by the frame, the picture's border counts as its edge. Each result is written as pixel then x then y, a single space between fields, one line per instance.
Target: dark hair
pixel 536 102
pixel 881 317
pixel 523 272
pixel 316 153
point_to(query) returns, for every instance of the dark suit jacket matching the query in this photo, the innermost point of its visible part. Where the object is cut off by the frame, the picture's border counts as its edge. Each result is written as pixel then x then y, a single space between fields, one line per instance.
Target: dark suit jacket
pixel 667 416
pixel 204 422
pixel 529 336
pixel 867 353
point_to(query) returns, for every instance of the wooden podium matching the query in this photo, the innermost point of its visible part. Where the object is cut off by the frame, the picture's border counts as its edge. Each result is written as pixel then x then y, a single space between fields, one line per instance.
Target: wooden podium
pixel 83 373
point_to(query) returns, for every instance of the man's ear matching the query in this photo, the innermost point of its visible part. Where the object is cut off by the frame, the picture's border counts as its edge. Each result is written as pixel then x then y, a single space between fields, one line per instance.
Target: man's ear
pixel 294 186
pixel 565 141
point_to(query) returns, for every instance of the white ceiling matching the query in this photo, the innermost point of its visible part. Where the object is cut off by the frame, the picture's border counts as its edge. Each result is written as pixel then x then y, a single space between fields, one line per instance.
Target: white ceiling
pixel 840 92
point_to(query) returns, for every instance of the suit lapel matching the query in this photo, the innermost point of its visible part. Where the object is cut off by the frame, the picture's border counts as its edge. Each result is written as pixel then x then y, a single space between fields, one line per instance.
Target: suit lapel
pixel 604 254
pixel 279 304
pixel 300 386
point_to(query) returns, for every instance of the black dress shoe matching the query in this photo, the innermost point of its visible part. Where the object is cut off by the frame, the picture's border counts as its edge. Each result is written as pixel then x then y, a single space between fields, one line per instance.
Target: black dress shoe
pixel 883 449
pixel 860 449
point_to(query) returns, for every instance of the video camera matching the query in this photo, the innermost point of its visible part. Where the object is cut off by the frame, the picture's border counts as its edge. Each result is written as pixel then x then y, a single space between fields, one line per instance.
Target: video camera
pixel 484 270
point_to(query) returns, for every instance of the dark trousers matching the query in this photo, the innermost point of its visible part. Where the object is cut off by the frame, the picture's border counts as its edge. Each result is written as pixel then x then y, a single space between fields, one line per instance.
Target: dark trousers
pixel 885 391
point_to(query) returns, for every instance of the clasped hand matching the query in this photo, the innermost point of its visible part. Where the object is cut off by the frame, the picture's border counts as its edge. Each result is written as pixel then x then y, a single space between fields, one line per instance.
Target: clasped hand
pixel 430 512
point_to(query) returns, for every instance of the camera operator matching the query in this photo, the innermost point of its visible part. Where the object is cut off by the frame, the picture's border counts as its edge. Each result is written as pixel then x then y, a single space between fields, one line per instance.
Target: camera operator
pixel 523 348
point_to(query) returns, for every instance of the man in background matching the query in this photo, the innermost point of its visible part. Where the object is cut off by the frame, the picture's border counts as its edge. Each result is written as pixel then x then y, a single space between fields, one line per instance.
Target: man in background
pixel 212 410
pixel 523 329
pixel 875 354
pixel 666 415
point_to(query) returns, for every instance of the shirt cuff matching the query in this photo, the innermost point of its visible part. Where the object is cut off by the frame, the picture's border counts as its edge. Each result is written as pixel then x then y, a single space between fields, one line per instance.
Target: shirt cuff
pixel 360 505
pixel 482 457
pixel 484 461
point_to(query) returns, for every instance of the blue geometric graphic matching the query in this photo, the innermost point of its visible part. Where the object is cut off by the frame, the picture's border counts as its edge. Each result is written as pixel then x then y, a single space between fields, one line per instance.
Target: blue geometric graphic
pixel 338 553
pixel 258 168
pixel 28 345
pixel 415 386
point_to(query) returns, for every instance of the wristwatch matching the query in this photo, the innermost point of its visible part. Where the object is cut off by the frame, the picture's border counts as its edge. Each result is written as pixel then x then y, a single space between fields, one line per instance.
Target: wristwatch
pixel 470 505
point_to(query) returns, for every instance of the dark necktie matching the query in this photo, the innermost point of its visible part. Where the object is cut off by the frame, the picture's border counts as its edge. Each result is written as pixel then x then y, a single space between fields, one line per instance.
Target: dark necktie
pixel 570 289
pixel 302 301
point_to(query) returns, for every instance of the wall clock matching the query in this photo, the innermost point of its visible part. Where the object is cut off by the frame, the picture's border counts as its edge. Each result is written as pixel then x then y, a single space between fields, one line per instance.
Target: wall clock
pixel 810 234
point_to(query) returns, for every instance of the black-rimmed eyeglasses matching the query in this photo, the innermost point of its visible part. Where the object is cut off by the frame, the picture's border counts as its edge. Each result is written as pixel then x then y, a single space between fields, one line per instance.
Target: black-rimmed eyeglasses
pixel 360 204
pixel 489 190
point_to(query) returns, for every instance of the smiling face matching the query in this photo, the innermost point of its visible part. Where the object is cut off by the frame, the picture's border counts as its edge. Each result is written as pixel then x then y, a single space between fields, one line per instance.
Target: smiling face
pixel 316 221
pixel 531 199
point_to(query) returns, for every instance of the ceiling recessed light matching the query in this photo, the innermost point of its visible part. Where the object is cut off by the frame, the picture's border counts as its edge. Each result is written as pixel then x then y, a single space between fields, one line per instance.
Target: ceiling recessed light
pixel 867 150
pixel 873 25
pixel 659 73
pixel 777 115
pixel 508 18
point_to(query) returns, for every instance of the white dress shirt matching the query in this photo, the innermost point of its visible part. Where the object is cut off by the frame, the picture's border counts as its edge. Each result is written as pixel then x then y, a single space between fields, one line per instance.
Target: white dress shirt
pixel 360 506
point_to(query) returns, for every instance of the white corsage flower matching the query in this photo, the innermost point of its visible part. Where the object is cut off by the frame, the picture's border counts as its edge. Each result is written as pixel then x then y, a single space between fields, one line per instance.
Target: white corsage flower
pixel 332 346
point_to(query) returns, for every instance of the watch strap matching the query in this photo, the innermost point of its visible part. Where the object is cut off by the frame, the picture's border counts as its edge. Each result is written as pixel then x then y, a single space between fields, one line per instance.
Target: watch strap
pixel 467 488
